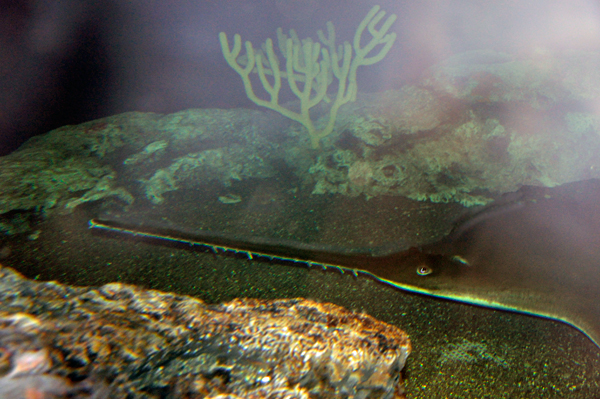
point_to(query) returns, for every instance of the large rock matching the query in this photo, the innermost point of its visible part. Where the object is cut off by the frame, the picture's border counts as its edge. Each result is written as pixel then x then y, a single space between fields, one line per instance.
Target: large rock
pixel 123 341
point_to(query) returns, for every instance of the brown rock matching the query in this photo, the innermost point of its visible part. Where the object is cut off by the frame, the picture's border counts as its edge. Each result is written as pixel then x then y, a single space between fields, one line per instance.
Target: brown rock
pixel 124 341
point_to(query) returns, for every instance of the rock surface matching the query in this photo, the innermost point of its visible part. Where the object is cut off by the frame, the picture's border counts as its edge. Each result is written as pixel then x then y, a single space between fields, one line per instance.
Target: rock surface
pixel 122 341
pixel 478 125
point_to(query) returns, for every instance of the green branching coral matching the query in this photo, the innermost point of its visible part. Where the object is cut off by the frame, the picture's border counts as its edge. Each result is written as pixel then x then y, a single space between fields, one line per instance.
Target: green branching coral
pixel 312 64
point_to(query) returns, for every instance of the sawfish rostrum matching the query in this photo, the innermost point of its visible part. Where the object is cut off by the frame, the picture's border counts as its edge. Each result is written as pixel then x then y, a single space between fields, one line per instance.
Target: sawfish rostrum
pixel 538 255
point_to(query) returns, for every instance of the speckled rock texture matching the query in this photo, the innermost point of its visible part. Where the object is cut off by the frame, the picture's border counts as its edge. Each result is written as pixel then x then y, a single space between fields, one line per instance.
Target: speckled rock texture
pixel 121 341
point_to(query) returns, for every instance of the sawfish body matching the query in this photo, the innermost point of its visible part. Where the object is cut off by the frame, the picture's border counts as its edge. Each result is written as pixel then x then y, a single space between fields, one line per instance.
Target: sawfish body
pixel 539 257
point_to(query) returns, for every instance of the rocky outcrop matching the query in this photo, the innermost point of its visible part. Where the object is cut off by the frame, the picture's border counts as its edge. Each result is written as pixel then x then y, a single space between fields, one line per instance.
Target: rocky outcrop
pixel 123 341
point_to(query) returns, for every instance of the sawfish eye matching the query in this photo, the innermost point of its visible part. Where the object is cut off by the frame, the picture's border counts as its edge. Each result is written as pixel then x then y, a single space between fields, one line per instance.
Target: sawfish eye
pixel 423 270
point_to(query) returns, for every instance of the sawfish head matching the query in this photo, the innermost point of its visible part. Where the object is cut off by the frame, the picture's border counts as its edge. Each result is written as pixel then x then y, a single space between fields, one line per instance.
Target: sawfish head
pixel 418 271
pixel 540 258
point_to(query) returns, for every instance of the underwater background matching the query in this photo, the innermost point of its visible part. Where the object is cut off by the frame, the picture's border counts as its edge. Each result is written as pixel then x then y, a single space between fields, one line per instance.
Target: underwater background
pixel 463 148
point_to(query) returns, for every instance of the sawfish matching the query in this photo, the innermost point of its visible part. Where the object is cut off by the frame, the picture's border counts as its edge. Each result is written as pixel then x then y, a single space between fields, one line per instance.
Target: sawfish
pixel 539 256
